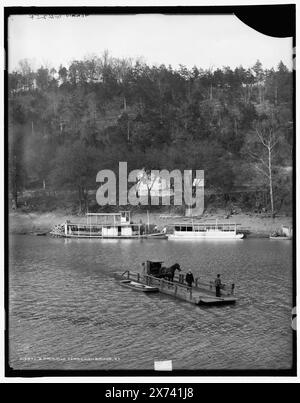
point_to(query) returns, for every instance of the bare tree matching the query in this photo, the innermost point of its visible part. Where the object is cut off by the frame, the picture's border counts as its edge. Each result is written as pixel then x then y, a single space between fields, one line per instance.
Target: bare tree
pixel 263 151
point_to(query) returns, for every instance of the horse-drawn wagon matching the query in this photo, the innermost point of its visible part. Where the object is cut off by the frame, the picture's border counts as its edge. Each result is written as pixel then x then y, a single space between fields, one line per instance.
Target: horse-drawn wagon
pixel 156 269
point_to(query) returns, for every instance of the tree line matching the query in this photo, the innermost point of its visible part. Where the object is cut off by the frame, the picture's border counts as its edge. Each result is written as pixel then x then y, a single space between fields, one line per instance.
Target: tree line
pixel 65 125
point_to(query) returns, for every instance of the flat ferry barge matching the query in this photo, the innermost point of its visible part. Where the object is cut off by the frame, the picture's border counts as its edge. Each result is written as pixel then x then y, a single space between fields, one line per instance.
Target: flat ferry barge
pixel 201 293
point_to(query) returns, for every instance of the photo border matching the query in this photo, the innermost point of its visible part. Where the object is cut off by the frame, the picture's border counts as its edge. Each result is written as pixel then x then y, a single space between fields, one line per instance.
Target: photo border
pixel 286 14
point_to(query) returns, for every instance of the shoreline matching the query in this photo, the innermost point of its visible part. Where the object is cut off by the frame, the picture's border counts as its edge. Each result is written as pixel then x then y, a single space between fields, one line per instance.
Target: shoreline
pixel 37 223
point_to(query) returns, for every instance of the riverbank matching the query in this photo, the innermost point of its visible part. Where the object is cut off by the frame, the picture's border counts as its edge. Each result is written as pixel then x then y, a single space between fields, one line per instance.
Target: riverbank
pixel 256 225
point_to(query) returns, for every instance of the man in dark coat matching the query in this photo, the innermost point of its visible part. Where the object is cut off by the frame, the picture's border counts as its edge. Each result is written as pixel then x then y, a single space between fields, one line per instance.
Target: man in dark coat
pixel 189 278
pixel 218 284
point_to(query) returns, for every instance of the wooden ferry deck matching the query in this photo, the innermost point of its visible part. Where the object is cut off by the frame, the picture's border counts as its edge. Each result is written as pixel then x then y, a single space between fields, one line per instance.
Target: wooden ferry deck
pixel 200 294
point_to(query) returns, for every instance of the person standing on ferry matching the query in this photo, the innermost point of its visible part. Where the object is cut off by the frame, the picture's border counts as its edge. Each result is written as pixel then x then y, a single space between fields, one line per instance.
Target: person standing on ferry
pixel 218 285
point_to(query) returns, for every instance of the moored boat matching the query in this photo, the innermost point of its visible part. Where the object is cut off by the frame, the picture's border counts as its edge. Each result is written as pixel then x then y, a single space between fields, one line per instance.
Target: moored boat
pixel 105 226
pixel 138 286
pixel 285 234
pixel 157 235
pixel 204 230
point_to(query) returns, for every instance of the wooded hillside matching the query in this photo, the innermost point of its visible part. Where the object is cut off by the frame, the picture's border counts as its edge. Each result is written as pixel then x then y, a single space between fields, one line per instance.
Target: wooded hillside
pixel 236 124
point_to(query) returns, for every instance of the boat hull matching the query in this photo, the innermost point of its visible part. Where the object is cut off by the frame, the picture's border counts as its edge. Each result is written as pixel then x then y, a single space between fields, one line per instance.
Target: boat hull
pixel 133 285
pixel 155 236
pixel 205 235
pixel 88 236
pixel 205 301
pixel 281 238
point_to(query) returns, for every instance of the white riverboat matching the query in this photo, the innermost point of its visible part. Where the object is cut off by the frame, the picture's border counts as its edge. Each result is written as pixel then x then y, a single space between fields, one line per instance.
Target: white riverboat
pixel 105 226
pixel 204 230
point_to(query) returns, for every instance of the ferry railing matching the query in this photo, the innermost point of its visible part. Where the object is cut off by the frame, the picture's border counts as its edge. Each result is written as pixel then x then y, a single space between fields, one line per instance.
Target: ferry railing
pixel 89 229
pixel 164 285
pixel 207 285
pixel 127 273
pixel 167 285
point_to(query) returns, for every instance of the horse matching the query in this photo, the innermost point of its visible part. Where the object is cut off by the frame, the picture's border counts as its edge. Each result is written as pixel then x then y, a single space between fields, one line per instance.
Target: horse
pixel 168 272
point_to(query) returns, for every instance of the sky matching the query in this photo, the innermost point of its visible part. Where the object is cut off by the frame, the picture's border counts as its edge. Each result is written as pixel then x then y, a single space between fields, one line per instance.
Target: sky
pixel 205 41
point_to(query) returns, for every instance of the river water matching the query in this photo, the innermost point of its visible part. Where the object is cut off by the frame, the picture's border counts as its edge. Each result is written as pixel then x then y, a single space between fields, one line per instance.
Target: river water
pixel 66 310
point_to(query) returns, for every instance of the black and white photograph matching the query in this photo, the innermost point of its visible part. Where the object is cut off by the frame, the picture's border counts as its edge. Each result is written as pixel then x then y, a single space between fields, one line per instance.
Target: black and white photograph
pixel 150 191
